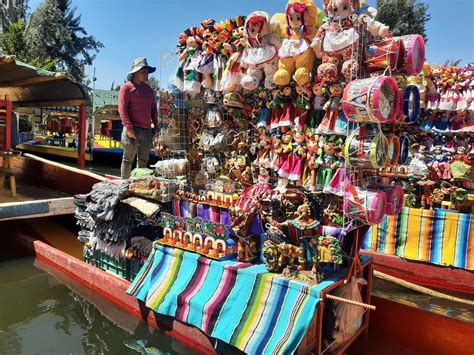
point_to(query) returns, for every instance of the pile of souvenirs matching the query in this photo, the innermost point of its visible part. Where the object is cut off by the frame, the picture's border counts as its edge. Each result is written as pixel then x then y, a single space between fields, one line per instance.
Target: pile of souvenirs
pixel 292 122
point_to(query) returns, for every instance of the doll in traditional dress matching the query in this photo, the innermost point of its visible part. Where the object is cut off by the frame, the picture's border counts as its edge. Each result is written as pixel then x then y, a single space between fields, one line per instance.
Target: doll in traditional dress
pixel 302 105
pixel 286 102
pixel 319 100
pixel 332 107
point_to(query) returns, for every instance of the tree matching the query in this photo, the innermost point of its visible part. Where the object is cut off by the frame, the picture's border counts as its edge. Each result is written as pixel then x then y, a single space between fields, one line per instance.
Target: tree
pixel 154 83
pixel 12 11
pixel 55 31
pixel 12 41
pixel 452 62
pixel 404 16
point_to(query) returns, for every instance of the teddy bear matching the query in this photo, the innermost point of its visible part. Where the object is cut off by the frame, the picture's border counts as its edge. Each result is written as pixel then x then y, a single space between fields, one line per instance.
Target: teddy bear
pixel 260 54
pixel 298 26
pixel 336 38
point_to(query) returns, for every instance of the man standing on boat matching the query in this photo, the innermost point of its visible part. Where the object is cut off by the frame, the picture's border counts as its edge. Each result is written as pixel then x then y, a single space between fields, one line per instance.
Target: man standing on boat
pixel 138 110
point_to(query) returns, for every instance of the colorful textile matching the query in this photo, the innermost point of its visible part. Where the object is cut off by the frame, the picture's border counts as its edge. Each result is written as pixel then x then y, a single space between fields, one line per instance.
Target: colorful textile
pixel 241 304
pixel 436 236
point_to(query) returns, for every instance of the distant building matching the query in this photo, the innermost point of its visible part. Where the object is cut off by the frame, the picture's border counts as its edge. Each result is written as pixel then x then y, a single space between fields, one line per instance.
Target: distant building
pixel 102 98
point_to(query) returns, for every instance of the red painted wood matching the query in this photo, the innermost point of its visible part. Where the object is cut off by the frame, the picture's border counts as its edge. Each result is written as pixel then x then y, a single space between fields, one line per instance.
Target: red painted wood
pixel 430 275
pixel 419 330
pixel 113 289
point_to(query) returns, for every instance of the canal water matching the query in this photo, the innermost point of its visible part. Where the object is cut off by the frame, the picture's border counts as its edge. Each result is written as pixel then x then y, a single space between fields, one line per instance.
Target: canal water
pixel 39 314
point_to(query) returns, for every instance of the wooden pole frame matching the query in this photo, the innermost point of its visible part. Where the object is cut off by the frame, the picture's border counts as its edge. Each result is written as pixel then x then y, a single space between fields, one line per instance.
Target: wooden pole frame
pixel 81 152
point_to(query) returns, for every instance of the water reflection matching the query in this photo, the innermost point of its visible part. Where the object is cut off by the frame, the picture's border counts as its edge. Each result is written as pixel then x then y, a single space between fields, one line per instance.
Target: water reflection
pixel 40 315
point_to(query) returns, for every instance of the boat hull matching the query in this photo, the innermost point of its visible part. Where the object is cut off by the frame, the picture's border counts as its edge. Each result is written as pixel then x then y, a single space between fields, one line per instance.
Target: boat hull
pixel 425 274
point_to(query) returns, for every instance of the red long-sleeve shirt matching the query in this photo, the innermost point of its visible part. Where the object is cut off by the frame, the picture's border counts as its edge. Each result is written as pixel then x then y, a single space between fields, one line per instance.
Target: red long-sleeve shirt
pixel 137 106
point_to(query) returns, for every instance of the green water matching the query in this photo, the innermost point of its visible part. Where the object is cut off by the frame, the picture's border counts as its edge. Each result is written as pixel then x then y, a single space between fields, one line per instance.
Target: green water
pixel 41 315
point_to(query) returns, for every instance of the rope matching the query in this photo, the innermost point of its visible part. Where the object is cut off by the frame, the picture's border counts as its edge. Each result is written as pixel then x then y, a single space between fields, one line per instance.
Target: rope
pixel 351 302
pixel 421 289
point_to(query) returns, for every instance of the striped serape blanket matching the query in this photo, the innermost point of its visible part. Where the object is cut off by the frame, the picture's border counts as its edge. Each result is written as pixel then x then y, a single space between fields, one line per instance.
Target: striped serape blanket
pixel 241 304
pixel 436 236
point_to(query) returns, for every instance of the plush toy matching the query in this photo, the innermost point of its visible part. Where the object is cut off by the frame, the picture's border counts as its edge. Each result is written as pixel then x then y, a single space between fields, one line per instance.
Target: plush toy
pixel 188 78
pixel 319 100
pixel 337 37
pixel 260 54
pixel 332 108
pixel 292 167
pixel 234 70
pixel 285 101
pixel 298 27
pixel 302 105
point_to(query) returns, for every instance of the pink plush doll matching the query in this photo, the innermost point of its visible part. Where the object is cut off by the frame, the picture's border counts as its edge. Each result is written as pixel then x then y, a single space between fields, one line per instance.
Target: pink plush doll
pixel 335 39
pixel 261 51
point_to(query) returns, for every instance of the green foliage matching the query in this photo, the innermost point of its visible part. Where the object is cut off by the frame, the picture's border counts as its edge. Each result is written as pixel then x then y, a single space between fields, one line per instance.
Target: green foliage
pixel 13 41
pixel 404 16
pixel 55 31
pixel 452 62
pixel 154 83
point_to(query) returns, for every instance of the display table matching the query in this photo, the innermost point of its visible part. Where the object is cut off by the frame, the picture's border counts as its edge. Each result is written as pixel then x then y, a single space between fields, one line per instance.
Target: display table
pixel 241 304
pixel 437 236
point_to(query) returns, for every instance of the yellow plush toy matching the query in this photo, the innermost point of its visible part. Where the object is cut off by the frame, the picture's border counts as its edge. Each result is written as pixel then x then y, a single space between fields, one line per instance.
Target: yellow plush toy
pixel 297 26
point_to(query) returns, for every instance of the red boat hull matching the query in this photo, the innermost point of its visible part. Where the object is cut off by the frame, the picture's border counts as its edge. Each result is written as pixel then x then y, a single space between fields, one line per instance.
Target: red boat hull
pixel 430 275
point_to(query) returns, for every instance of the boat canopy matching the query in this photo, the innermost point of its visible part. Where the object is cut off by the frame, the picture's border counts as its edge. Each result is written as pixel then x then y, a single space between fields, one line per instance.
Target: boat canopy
pixel 28 86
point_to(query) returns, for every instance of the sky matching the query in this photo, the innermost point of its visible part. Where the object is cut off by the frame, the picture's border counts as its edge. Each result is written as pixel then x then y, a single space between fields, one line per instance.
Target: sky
pixel 150 28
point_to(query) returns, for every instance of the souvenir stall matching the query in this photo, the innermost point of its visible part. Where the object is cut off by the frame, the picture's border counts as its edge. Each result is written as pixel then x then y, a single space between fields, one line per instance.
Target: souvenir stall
pixel 290 121
pixel 436 172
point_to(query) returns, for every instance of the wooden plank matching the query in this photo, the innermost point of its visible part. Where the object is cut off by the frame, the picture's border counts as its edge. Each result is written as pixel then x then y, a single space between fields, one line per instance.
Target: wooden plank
pixel 39 208
pixel 34 80
pixel 64 152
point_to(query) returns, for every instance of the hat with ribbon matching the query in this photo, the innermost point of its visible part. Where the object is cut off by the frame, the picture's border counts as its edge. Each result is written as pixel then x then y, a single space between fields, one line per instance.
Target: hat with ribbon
pixel 141 63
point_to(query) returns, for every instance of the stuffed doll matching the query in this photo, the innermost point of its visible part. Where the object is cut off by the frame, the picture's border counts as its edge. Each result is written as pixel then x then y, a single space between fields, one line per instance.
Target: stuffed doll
pixel 438 161
pixel 284 151
pixel 275 108
pixel 261 109
pixel 234 70
pixel 297 26
pixel 188 78
pixel 285 100
pixel 312 165
pixel 292 168
pixel 302 105
pixel 332 108
pixel 328 161
pixel 319 100
pixel 337 37
pixel 260 54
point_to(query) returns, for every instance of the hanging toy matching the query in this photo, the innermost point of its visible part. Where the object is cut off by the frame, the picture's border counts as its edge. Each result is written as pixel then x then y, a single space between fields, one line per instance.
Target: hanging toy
pixel 260 54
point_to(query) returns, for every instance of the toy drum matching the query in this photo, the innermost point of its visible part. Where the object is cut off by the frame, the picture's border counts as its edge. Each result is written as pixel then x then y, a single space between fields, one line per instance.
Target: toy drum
pixel 411 103
pixel 394 195
pixel 371 99
pixel 404 150
pixel 398 112
pixel 393 151
pixel 384 54
pixel 366 152
pixel 364 205
pixel 414 55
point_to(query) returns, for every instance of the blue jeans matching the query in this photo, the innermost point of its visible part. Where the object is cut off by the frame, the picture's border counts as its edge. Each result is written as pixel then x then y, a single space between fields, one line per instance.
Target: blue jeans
pixel 139 146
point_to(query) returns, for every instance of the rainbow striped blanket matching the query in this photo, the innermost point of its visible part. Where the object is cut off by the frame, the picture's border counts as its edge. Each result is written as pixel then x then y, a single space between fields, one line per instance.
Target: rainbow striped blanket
pixel 435 236
pixel 241 304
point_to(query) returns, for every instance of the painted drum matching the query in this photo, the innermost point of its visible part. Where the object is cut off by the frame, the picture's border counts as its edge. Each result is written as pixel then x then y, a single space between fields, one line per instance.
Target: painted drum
pixel 404 150
pixel 371 99
pixel 394 195
pixel 411 103
pixel 414 55
pixel 393 151
pixel 366 152
pixel 365 205
pixel 384 54
pixel 398 112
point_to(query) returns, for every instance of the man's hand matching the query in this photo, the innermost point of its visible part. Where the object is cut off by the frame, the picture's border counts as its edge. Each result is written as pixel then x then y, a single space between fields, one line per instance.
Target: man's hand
pixel 130 133
pixel 156 131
